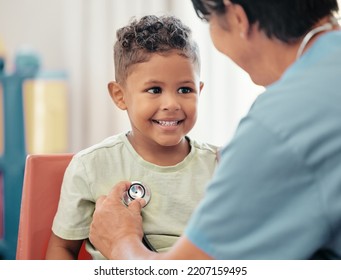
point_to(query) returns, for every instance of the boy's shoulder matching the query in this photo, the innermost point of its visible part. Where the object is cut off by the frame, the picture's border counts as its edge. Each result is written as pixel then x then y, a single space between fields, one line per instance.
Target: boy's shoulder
pixel 108 143
pixel 204 146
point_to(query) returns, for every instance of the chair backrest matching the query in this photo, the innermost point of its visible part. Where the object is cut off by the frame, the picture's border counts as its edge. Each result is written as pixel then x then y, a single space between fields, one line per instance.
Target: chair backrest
pixel 41 190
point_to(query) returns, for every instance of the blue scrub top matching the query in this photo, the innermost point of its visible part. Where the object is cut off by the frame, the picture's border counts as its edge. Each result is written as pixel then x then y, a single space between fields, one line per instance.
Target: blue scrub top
pixel 277 191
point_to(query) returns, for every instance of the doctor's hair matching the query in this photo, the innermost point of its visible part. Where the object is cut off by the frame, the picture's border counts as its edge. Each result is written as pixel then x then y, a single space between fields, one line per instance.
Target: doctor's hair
pixel 286 20
pixel 151 34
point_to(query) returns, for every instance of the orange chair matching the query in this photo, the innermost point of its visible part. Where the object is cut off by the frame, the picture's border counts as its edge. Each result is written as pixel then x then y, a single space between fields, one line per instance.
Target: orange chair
pixel 41 190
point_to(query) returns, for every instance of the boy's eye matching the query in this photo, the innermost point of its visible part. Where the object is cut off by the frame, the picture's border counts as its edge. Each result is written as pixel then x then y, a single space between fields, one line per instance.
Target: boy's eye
pixel 154 90
pixel 185 90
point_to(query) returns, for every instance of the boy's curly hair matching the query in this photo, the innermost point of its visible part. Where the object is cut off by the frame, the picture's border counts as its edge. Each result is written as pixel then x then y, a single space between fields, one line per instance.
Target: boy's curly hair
pixel 140 39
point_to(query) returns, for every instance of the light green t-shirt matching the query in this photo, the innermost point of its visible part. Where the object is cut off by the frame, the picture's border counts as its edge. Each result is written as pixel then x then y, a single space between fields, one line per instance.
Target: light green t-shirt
pixel 175 190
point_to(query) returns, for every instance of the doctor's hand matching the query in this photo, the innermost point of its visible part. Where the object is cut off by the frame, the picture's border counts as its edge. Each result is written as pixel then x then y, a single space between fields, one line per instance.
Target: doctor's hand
pixel 115 225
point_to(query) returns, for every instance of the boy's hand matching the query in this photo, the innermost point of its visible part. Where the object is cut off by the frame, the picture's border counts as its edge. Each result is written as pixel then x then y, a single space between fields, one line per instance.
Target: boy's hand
pixel 115 224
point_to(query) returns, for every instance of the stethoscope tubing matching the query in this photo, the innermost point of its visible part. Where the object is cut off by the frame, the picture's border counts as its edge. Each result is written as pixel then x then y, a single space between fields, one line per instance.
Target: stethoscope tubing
pixel 139 190
pixel 146 243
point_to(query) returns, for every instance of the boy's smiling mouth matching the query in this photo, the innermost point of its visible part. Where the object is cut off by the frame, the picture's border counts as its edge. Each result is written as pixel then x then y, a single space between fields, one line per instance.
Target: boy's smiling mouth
pixel 167 123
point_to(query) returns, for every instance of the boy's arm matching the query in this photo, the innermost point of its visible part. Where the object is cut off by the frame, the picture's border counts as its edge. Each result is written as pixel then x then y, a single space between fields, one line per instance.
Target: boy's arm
pixel 62 249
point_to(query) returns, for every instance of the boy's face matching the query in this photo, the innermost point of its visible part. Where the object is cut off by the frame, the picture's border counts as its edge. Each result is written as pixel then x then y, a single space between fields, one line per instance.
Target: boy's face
pixel 161 97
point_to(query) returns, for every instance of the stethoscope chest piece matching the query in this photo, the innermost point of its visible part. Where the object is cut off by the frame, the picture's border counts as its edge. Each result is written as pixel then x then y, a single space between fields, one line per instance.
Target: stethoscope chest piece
pixel 136 190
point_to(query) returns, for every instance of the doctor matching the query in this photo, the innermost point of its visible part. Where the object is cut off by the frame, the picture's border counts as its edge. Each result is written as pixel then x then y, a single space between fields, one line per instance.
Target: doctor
pixel 277 191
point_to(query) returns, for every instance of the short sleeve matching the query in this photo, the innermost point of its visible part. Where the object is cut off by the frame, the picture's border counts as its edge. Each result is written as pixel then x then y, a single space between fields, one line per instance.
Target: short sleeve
pixel 76 205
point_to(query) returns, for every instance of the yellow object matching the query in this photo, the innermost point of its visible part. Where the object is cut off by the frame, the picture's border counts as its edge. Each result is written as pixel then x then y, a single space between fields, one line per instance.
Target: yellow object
pixel 2 48
pixel 46 114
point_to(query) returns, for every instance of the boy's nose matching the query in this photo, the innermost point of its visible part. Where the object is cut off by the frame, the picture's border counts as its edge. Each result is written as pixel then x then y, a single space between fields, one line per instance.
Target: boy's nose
pixel 170 102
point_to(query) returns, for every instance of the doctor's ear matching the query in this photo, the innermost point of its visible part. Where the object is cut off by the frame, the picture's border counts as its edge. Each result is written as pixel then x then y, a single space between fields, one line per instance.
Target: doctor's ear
pixel 242 21
pixel 116 94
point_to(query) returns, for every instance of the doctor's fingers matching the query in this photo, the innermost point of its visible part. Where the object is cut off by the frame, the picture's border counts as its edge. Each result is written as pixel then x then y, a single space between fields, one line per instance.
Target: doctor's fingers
pixel 118 190
pixel 115 195
pixel 136 205
pixel 100 201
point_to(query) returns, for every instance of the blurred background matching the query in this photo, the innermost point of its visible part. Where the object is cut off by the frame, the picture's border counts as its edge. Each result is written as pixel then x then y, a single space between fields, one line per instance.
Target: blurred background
pixel 74 40
pixel 56 59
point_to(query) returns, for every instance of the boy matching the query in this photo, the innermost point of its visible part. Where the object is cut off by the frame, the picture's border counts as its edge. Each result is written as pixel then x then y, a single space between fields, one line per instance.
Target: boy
pixel 157 69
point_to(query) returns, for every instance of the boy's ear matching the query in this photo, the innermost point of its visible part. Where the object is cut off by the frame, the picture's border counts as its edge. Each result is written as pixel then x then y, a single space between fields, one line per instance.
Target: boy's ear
pixel 116 94
pixel 201 87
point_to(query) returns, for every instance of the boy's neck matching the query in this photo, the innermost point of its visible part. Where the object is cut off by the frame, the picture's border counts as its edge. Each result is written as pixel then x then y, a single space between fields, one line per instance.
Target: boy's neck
pixel 161 155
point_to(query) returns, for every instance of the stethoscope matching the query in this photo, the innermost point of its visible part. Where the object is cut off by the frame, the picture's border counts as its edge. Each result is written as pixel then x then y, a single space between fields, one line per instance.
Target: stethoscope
pixel 136 190
pixel 139 190
pixel 334 21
